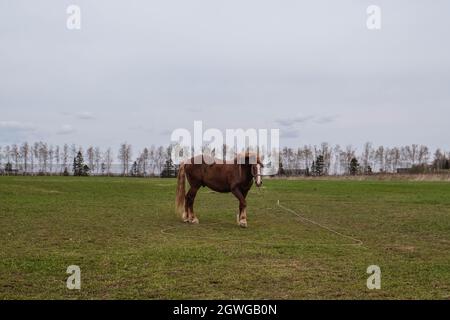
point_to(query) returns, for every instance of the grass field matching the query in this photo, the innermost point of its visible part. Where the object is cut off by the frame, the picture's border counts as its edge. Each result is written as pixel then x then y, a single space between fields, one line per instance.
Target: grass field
pixel 128 242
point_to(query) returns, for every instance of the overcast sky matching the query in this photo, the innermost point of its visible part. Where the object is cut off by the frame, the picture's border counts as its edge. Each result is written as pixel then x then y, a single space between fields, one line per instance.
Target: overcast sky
pixel 139 69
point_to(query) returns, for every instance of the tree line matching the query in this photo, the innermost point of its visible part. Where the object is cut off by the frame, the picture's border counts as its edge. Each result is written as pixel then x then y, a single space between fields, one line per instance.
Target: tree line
pixel 336 160
pixel 41 158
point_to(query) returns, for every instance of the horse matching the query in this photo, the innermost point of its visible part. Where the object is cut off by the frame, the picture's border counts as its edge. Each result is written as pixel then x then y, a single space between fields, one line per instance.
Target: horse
pixel 235 177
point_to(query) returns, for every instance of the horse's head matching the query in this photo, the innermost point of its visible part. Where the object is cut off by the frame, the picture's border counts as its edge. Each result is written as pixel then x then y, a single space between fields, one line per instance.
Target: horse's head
pixel 256 173
pixel 252 159
pixel 256 165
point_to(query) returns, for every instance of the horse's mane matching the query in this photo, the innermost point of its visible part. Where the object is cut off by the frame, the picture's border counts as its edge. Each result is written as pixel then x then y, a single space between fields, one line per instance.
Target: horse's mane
pixel 247 155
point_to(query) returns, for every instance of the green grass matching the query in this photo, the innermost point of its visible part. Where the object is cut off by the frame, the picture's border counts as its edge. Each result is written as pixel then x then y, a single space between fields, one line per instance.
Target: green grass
pixel 129 243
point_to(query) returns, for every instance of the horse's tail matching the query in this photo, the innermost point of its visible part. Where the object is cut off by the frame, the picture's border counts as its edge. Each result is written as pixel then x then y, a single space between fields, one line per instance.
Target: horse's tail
pixel 181 190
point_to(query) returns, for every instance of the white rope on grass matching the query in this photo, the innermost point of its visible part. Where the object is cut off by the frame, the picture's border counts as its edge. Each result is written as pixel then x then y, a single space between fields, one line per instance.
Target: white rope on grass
pixel 167 232
pixel 358 242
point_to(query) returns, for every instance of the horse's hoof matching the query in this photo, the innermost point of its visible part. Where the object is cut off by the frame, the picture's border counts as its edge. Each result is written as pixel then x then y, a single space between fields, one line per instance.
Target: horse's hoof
pixel 195 221
pixel 243 224
pixel 186 220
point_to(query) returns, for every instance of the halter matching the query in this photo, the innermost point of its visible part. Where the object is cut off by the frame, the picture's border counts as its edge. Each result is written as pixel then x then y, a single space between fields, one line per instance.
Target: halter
pixel 256 175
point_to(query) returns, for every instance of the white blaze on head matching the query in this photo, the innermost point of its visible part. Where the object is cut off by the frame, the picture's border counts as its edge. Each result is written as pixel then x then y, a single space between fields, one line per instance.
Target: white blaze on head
pixel 258 174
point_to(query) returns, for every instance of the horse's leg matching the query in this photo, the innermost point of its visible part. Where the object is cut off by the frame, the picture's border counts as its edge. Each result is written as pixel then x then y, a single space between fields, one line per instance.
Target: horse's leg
pixel 242 216
pixel 189 205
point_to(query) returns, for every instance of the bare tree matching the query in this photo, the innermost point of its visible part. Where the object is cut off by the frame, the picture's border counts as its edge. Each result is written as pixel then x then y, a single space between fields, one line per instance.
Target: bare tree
pixel 7 154
pixel 57 160
pixel 337 154
pixel 346 158
pixel 379 159
pixel 15 155
pixel 108 157
pixel 395 158
pixel 43 157
pixel 125 157
pixel 36 154
pixel 145 158
pixel 367 157
pixel 65 157
pixel 326 152
pixel 97 158
pixel 73 151
pixel 24 151
pixel 423 155
pixel 152 159
pixel 90 158
pixel 439 159
pixel 50 158
pixel 308 156
pixel 159 159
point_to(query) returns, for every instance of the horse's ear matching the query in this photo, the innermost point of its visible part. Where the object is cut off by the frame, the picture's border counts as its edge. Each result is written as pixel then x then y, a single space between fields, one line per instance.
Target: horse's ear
pixel 259 161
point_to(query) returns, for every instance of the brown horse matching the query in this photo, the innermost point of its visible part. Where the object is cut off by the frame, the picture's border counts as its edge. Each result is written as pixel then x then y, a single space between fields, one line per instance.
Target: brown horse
pixel 236 177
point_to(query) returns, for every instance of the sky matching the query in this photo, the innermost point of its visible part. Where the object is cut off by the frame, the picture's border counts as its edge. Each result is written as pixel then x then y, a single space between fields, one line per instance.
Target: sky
pixel 137 70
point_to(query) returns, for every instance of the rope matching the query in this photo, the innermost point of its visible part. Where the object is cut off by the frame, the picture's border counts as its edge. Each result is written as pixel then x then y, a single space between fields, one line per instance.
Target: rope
pixel 358 242
pixel 167 232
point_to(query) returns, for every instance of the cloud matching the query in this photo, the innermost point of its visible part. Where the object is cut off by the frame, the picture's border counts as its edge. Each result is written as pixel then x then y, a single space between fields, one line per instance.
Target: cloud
pixel 291 122
pixel 66 129
pixel 325 119
pixel 85 115
pixel 16 125
pixel 166 132
pixel 287 122
pixel 289 133
pixel 290 126
pixel 82 115
pixel 15 131
pixel 194 109
pixel 141 128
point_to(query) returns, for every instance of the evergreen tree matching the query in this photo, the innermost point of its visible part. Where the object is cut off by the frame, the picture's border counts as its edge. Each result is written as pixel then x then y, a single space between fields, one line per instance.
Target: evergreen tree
pixel 79 167
pixel 280 168
pixel 169 169
pixel 85 171
pixel 8 167
pixel 319 165
pixel 134 169
pixel 354 166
